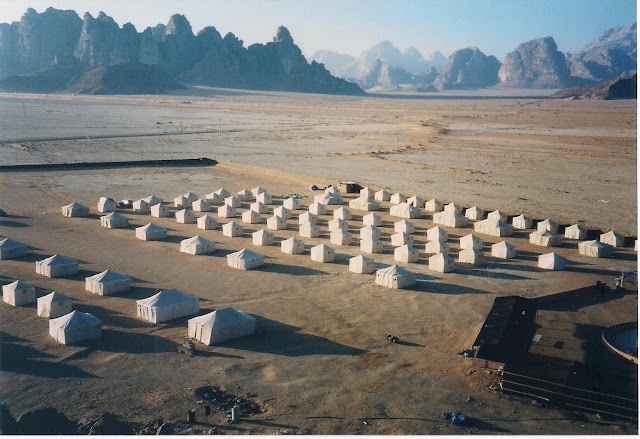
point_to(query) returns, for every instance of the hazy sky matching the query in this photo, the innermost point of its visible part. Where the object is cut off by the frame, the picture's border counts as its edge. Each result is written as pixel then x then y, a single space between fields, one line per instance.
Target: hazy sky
pixel 351 26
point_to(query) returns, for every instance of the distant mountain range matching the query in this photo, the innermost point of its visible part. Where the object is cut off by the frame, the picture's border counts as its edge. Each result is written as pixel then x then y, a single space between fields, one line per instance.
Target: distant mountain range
pixel 534 64
pixel 57 51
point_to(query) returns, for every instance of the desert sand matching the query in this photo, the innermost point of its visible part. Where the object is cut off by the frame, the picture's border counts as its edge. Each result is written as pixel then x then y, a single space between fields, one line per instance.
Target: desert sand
pixel 320 362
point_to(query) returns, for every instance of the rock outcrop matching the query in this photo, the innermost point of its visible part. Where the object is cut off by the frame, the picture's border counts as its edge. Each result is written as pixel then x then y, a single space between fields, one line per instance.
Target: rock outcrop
pixel 535 64
pixel 332 61
pixel 468 69
pixel 619 88
pixel 31 52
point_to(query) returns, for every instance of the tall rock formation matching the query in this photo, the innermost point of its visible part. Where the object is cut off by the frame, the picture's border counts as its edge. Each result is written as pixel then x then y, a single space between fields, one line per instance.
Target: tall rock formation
pixel 102 42
pixel 332 61
pixel 468 68
pixel 535 64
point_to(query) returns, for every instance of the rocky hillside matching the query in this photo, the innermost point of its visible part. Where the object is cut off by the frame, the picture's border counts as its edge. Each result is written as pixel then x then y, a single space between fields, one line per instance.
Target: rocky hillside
pixel 468 68
pixel 535 64
pixel 619 88
pixel 29 49
pixel 332 61
pixel 612 54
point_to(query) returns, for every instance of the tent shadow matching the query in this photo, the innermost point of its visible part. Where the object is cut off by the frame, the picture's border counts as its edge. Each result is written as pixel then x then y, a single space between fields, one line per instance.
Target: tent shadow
pixel 174 239
pixel 136 293
pixel 26 360
pixel 578 298
pixel 572 268
pixel 624 256
pixel 489 273
pixel 113 318
pixel 133 343
pixel 81 275
pixel 281 339
pixel 12 223
pixel 294 270
pixel 442 288
pixel 517 267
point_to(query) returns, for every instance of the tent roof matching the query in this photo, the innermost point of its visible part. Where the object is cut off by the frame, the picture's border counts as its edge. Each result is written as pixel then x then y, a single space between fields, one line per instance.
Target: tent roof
pixel 575 227
pixel 504 244
pixel 522 216
pixel 196 240
pixel 18 285
pixel 322 247
pixel 612 233
pixel 57 260
pixel 76 319
pixel 109 276
pixel 114 216
pixel 394 270
pixel 10 244
pixel 223 318
pixel 54 297
pixel 362 258
pixel 262 232
pixel 293 240
pixel 245 254
pixel 151 228
pixel 166 298
pixel 594 243
pixel 553 256
pixel 75 205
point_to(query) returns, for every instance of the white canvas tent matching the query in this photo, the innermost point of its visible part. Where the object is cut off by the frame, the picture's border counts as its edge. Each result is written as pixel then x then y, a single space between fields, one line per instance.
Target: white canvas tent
pixel 549 225
pixel 106 205
pixel 416 201
pixel 245 260
pixel 106 283
pixel 151 232
pixel 276 223
pixel 372 219
pixel 207 222
pixel 471 241
pixel 226 211
pixel 75 327
pixel 307 217
pixel 371 245
pixel 329 198
pixel 201 205
pixel 114 220
pixel 214 198
pixel 10 249
pixel 75 210
pixel 370 232
pixel 575 231
pixel 262 238
pixel 292 203
pixel 337 223
pixel 18 293
pixel 286 213
pixel 394 277
pixel 454 208
pixel 57 266
pixel 450 219
pixel 401 238
pixel 397 198
pixel 197 245
pixel 251 217
pixel 404 226
pixel 405 210
pixel 264 198
pixel 167 305
pixel 152 200
pixel 545 239
pixel 160 211
pixel 233 201
pixel 257 191
pixel 612 238
pixel 552 261
pixel 504 250
pixel 367 193
pixel 54 305
pixel 191 196
pixel 522 222
pixel 342 213
pixel 365 204
pixel 309 230
pixel 471 256
pixel 323 253
pixel 221 325
pixel 406 253
pixel 494 227
pixel 595 249
pixel 498 214
pixel 436 247
pixel 382 195
pixel 222 193
pixel 292 246
pixel 141 206
pixel 244 195
pixel 437 234
pixel 258 207
pixel 474 213
pixel 181 202
pixel 441 262
pixel 318 208
pixel 341 237
pixel 185 216
pixel 232 230
pixel 362 265
pixel 433 205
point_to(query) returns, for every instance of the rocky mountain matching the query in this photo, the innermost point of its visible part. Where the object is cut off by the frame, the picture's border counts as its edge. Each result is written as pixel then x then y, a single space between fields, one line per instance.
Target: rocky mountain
pixel 625 87
pixel 46 52
pixel 468 68
pixel 535 64
pixel 332 61
pixel 610 55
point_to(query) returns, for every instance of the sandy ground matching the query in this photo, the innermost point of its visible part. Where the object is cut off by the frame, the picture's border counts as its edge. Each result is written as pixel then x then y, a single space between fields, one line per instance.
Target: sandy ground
pixel 320 362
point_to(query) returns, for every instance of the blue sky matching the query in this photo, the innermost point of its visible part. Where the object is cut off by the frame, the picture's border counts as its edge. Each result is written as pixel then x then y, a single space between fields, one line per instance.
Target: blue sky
pixel 351 26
